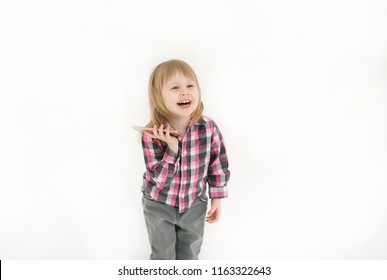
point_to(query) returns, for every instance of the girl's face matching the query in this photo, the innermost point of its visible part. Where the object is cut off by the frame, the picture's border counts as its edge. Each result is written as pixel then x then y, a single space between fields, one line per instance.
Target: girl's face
pixel 180 95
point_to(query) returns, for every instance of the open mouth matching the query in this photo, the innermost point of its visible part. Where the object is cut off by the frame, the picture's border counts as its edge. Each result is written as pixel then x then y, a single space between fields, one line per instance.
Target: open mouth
pixel 184 103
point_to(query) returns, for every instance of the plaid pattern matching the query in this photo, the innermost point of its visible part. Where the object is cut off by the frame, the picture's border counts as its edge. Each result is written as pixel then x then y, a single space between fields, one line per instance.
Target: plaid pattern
pixel 178 179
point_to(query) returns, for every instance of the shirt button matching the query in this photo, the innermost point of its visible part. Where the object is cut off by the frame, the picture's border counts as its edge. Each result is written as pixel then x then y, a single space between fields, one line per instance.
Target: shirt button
pixel 185 153
pixel 185 181
pixel 185 167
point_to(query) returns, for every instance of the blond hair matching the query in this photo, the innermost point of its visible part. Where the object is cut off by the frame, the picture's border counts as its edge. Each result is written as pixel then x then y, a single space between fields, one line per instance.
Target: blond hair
pixel 160 75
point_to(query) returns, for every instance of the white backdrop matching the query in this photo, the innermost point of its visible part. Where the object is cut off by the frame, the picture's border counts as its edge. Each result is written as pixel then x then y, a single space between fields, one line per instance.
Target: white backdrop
pixel 298 89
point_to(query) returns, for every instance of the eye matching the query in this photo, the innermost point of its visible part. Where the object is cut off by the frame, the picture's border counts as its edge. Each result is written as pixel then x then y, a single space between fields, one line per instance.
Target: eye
pixel 190 86
pixel 175 88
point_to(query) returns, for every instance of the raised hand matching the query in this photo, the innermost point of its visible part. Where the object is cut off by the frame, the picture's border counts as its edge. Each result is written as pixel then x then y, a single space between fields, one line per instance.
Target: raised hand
pixel 164 135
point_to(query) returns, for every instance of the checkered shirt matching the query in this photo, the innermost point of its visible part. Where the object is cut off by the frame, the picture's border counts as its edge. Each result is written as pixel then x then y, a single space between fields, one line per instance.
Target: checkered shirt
pixel 178 179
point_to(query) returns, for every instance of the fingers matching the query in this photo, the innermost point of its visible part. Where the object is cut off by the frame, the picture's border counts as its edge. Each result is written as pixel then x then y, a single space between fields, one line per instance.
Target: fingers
pixel 148 134
pixel 168 134
pixel 161 133
pixel 151 134
pixel 155 131
pixel 213 215
pixel 165 135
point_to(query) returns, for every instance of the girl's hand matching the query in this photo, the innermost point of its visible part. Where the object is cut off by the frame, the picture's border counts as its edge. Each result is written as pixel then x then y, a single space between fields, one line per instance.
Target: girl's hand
pixel 214 214
pixel 165 136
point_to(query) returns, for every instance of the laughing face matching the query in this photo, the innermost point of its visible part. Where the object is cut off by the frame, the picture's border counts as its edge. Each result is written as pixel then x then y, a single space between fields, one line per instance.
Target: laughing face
pixel 180 95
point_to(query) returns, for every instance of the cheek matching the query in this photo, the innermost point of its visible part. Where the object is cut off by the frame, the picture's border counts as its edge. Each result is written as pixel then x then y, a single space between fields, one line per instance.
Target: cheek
pixel 166 100
pixel 196 104
pixel 197 98
pixel 170 103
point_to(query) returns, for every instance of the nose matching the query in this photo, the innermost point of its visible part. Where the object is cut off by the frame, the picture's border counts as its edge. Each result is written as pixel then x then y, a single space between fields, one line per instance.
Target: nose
pixel 184 91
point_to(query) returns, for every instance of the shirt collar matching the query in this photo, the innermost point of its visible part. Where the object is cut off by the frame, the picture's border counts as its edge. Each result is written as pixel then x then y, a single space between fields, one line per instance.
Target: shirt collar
pixel 199 122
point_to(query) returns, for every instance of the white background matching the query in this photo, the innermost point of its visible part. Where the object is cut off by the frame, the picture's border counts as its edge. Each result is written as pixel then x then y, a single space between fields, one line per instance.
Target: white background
pixel 298 89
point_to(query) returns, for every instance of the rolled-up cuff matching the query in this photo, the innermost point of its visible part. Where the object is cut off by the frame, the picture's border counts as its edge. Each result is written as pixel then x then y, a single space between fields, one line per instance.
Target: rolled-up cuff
pixel 218 192
pixel 170 156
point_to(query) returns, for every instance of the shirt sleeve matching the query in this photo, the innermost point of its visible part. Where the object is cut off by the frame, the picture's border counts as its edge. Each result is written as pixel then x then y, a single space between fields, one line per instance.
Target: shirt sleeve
pixel 218 173
pixel 161 163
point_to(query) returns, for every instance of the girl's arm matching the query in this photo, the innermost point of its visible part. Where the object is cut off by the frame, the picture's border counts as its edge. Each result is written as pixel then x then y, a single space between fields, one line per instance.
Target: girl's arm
pixel 161 162
pixel 218 173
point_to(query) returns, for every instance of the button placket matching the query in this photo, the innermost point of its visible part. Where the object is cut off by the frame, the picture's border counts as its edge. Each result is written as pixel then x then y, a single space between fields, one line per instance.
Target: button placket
pixel 183 174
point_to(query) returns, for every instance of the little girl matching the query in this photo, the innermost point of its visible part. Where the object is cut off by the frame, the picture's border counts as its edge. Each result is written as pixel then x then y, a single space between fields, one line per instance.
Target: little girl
pixel 183 154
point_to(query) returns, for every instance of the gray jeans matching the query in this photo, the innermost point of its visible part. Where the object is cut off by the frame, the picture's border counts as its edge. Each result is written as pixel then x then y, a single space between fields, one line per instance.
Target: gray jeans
pixel 174 236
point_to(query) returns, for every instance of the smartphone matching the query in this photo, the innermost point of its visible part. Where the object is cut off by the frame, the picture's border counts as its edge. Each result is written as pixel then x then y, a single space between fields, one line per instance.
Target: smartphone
pixel 142 128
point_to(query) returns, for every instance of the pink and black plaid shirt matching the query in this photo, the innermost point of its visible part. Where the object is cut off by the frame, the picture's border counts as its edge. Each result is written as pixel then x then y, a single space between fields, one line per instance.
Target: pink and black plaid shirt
pixel 178 179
